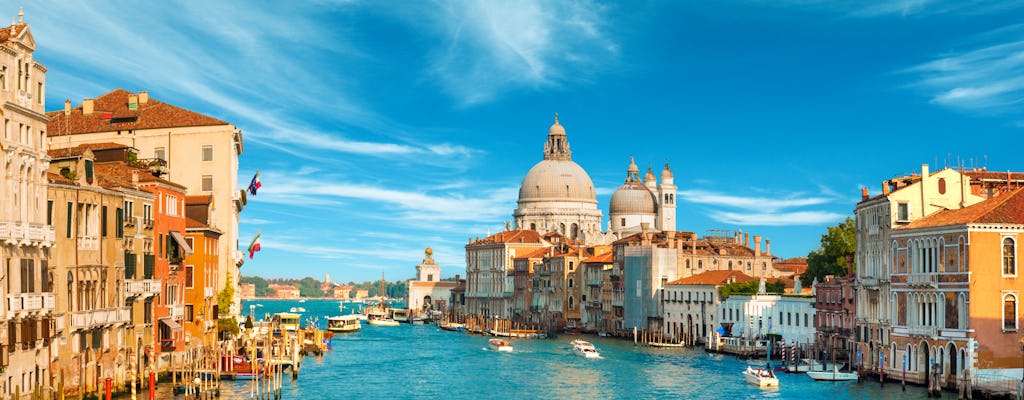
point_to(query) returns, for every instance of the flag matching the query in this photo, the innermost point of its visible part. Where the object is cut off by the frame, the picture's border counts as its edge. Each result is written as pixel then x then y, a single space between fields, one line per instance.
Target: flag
pixel 255 184
pixel 254 246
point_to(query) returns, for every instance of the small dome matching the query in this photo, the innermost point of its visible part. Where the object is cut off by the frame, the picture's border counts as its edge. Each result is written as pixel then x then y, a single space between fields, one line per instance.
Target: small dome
pixel 666 173
pixel 632 198
pixel 556 128
pixel 649 177
pixel 557 180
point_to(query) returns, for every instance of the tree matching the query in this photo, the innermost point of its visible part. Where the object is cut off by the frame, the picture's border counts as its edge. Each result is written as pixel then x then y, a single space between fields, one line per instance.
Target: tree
pixel 837 243
pixel 750 288
pixel 309 287
pixel 261 285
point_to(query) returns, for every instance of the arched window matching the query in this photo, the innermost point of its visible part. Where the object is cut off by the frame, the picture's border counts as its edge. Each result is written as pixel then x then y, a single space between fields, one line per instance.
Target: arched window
pixel 575 231
pixel 570 302
pixel 570 286
pixel 687 264
pixel 533 226
pixel 1009 257
pixel 1009 312
pixel 700 264
pixel 962 252
pixel 730 265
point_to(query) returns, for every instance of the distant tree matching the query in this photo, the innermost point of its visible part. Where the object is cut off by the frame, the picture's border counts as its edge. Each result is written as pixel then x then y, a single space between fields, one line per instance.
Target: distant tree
pixel 749 288
pixel 262 286
pixel 830 259
pixel 310 287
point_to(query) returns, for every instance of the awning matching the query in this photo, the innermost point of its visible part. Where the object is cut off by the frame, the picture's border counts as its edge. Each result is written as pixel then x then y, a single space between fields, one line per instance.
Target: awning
pixel 174 326
pixel 181 242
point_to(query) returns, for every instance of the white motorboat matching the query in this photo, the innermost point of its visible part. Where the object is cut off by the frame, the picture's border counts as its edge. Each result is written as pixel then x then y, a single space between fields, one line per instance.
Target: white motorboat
pixel 500 345
pixel 297 310
pixel 344 324
pixel 761 377
pixel 834 375
pixel 585 349
pixel 382 322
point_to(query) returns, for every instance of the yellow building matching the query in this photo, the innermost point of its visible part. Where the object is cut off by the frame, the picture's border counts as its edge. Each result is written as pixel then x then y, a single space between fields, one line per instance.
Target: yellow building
pixel 955 292
pixel 197 151
pixel 87 266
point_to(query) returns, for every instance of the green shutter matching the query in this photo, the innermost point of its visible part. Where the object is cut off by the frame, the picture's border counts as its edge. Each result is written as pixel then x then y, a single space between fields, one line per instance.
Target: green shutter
pixel 103 221
pixel 120 222
pixel 71 207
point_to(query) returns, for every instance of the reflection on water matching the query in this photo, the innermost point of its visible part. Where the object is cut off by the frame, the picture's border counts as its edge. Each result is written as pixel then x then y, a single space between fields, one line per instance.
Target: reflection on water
pixel 421 361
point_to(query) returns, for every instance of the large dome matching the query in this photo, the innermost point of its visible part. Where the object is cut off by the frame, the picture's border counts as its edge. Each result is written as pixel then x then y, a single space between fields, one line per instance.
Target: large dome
pixel 557 180
pixel 632 198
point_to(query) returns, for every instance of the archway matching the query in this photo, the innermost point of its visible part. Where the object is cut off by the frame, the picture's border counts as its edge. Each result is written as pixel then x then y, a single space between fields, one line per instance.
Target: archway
pixel 427 303
pixel 952 373
pixel 925 359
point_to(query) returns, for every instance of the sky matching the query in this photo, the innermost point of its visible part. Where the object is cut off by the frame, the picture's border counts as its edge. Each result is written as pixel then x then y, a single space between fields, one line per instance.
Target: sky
pixel 384 127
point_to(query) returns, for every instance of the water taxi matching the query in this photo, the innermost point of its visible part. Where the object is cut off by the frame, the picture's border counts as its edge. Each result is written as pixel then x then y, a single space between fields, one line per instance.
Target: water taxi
pixel 344 324
pixel 835 375
pixel 297 310
pixel 761 377
pixel 377 319
pixel 452 326
pixel 585 349
pixel 500 345
pixel 287 321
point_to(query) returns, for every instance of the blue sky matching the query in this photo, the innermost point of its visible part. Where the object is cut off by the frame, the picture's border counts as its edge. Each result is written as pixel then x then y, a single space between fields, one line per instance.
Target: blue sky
pixel 382 128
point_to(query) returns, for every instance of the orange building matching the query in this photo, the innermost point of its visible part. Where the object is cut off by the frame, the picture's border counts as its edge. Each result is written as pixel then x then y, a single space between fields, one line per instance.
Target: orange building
pixel 200 281
pixel 171 250
pixel 955 292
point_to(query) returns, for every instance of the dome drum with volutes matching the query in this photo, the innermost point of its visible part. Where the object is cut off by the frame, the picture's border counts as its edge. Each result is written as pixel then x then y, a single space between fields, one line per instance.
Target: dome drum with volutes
pixel 632 198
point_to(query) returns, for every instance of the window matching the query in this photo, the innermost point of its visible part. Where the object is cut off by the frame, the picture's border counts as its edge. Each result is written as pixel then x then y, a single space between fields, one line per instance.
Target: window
pixel 160 153
pixel 129 208
pixel 942 185
pixel 171 205
pixel 147 213
pixel 39 92
pixel 1009 257
pixel 903 213
pixel 71 208
pixel 700 263
pixel 119 213
pixel 49 212
pixel 188 313
pixel 622 222
pixel 188 276
pixel 207 152
pixel 1009 312
pixel 3 77
pixel 103 222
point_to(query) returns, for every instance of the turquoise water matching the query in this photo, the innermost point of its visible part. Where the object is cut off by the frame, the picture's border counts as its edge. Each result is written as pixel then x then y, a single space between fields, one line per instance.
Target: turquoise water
pixel 421 361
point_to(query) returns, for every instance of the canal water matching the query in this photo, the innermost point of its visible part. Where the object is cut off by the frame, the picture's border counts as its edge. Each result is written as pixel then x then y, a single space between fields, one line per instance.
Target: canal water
pixel 421 361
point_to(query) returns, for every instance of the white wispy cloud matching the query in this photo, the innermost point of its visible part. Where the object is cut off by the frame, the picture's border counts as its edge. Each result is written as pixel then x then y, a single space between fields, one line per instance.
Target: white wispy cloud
pixel 983 78
pixel 897 8
pixel 489 48
pixel 777 219
pixel 749 203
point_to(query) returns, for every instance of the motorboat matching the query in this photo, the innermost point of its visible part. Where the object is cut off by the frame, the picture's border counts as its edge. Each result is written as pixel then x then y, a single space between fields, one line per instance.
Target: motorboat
pixel 500 345
pixel 297 310
pixel 381 321
pixel 806 365
pixel 585 349
pixel 834 375
pixel 452 326
pixel 344 324
pixel 761 377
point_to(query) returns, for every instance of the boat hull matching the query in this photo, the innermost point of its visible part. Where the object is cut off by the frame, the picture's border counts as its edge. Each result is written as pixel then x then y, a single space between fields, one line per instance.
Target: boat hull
pixel 832 376
pixel 385 322
pixel 500 345
pixel 754 377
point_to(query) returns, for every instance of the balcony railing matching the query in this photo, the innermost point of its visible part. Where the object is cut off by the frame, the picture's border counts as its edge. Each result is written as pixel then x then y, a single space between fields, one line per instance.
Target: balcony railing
pixel 103 316
pixel 927 331
pixel 594 282
pixel 924 280
pixel 16 232
pixel 142 287
pixel 30 302
pixel 177 311
pixel 87 242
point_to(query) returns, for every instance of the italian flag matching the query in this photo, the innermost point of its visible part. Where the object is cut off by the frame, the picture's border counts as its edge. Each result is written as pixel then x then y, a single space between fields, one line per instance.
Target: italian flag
pixel 254 246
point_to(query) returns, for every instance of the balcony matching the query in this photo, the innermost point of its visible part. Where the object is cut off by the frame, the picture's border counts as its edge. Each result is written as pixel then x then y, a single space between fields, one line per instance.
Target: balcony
pixel 594 282
pixel 30 302
pixel 208 292
pixel 142 287
pixel 925 331
pixel 923 280
pixel 177 311
pixel 100 317
pixel 87 242
pixel 15 233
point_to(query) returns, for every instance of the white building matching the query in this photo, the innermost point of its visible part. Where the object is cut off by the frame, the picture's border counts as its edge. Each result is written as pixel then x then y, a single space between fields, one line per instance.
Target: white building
pixel 638 202
pixel 691 304
pixel 761 314
pixel 427 292
pixel 26 235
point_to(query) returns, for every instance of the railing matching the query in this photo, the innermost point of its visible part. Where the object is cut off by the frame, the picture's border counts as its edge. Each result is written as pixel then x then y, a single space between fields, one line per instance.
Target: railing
pixel 103 316
pixel 86 242
pixel 594 282
pixel 30 302
pixel 177 311
pixel 929 331
pixel 921 279
pixel 142 287
pixel 14 232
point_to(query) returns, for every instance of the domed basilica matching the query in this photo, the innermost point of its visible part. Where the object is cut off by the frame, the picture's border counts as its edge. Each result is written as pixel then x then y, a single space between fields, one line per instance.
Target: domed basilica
pixel 557 195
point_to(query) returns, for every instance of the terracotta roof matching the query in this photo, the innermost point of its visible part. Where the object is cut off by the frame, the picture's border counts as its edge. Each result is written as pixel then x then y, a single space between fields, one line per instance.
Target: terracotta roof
pixel 76 151
pixel 6 35
pixel 520 236
pixel 719 277
pixel 111 113
pixel 603 258
pixel 104 146
pixel 57 178
pixel 538 253
pixel 199 199
pixel 1006 208
pixel 995 175
pixel 191 223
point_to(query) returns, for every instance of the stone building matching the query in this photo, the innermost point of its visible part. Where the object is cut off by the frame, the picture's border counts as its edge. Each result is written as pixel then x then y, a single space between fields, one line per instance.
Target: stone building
pixel 639 202
pixel 26 234
pixel 691 304
pixel 197 151
pixel 835 312
pixel 200 273
pixel 490 264
pixel 428 293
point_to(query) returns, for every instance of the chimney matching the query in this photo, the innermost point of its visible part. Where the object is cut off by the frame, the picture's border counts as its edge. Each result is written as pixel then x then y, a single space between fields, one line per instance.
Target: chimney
pixel 768 246
pixel 143 97
pixel 87 107
pixel 863 193
pixel 135 177
pixel 133 102
pixel 746 239
pixel 693 249
pixel 757 245
pixel 670 239
pixel 67 107
pixel 885 188
pixel 925 188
